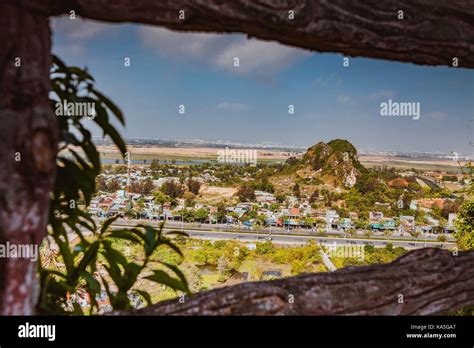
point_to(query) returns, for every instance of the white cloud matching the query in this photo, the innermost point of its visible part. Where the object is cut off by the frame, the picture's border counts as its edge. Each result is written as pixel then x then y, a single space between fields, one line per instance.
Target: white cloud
pixel 256 57
pixel 231 106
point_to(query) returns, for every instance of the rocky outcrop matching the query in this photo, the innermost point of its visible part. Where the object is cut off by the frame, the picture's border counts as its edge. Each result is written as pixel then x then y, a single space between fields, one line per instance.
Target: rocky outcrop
pixel 338 158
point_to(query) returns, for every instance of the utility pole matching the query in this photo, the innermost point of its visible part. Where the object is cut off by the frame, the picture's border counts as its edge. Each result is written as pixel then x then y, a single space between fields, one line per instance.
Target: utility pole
pixel 128 159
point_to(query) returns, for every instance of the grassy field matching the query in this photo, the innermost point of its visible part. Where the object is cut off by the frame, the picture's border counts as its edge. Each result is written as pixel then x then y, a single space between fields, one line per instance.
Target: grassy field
pixel 194 155
pixel 110 158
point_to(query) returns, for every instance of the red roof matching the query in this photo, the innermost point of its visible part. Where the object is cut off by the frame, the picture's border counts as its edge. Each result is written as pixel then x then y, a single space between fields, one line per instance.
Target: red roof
pixel 398 182
pixel 294 211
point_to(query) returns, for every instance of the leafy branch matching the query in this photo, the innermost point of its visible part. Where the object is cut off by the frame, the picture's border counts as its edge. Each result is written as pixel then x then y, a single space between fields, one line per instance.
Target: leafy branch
pixel 92 263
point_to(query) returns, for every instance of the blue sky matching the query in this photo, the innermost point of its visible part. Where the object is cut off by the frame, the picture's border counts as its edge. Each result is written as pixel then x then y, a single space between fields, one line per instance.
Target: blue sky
pixel 249 103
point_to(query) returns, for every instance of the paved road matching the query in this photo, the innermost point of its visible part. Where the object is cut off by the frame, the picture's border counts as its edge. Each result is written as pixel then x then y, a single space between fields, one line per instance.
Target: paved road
pixel 252 236
pixel 282 231
pixel 429 181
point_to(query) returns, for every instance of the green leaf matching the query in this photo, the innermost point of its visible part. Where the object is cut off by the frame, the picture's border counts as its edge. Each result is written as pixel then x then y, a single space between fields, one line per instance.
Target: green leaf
pixel 113 256
pixel 89 255
pixel 114 108
pixel 56 60
pixel 103 121
pixel 81 73
pixel 150 241
pixel 92 283
pixel 114 301
pixel 132 270
pixel 145 295
pixel 170 244
pixel 72 223
pixel 113 269
pixel 124 234
pixel 65 253
pixel 107 223
pixel 162 277
pixel 180 275
pixel 177 233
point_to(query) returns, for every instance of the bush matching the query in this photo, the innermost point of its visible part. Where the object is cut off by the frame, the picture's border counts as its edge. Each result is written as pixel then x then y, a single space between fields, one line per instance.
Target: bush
pixel 246 193
pixel 265 248
pixel 297 267
pixel 194 186
pixel 172 189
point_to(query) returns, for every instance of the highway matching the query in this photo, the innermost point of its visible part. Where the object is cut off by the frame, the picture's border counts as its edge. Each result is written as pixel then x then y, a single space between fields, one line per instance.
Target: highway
pixel 275 230
pixel 292 238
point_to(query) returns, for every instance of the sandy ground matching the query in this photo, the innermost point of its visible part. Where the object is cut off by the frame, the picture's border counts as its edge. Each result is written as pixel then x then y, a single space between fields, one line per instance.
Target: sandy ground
pixel 226 192
pixel 383 159
pixel 189 152
pixel 214 194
